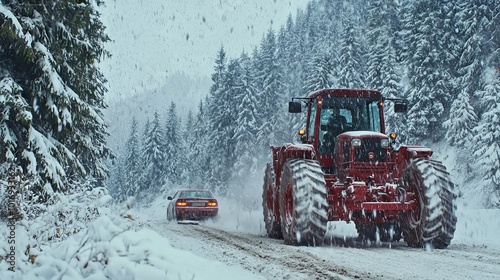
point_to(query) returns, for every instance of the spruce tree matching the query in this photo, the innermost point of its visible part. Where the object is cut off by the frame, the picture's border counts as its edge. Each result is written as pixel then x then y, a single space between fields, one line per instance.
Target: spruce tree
pixel 320 74
pixel 116 185
pixel 198 158
pixel 245 165
pixel 351 70
pixel 461 123
pixel 382 65
pixel 52 93
pixel 132 164
pixel 474 20
pixel 487 138
pixel 172 146
pixel 220 123
pixel 269 77
pixel 153 155
pixel 188 169
pixel 430 82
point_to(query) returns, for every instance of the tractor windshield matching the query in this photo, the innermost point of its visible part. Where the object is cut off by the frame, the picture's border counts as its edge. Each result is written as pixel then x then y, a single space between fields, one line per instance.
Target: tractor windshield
pixel 359 113
pixel 342 114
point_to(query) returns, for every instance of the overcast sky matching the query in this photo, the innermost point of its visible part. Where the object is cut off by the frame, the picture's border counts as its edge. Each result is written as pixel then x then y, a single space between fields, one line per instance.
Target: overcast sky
pixel 152 38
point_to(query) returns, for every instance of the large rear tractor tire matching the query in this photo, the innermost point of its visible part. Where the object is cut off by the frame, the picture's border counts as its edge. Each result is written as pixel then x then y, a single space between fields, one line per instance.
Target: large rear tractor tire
pixel 273 227
pixel 303 204
pixel 434 225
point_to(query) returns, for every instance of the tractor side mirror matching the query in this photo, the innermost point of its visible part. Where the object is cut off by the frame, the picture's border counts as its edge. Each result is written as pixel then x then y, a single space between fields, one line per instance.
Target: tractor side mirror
pixel 400 107
pixel 294 107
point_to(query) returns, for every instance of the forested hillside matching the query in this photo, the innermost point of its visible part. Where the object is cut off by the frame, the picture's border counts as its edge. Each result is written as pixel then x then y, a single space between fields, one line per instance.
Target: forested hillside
pixel 442 56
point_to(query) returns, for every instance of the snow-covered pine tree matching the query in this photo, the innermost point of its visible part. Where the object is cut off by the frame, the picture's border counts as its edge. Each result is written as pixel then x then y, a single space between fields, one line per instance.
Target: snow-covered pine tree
pixel 286 45
pixel 461 123
pixel 269 77
pixel 197 150
pixel 245 165
pixel 318 45
pixel 143 187
pixel 132 164
pixel 460 130
pixel 494 29
pixel 429 90
pixel 221 117
pixel 116 182
pixel 382 62
pixel 154 158
pixel 172 147
pixel 351 72
pixel 452 39
pixel 474 19
pixel 52 93
pixel 487 138
pixel 320 73
pixel 291 55
pixel 189 171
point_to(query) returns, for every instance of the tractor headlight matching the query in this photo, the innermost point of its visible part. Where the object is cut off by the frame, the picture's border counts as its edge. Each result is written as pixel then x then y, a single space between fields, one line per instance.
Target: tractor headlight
pixel 356 142
pixel 384 143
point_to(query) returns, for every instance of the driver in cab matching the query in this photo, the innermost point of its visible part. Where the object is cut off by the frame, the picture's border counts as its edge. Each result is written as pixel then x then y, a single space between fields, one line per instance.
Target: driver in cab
pixel 336 125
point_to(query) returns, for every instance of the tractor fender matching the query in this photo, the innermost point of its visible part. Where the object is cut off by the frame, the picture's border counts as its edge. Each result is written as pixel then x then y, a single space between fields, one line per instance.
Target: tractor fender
pixel 292 150
pixel 405 153
pixel 288 151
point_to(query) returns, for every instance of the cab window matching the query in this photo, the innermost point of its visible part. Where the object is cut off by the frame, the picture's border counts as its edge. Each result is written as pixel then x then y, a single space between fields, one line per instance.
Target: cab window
pixel 312 118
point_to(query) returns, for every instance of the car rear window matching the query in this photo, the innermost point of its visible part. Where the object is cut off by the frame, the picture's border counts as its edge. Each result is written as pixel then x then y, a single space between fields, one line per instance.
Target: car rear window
pixel 196 194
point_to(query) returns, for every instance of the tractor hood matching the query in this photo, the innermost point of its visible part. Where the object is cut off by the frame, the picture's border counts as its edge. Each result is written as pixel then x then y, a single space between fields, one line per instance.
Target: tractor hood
pixel 365 146
pixel 359 154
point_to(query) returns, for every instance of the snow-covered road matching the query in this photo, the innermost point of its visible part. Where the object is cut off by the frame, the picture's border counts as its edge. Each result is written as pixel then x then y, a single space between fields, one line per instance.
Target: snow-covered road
pixel 342 258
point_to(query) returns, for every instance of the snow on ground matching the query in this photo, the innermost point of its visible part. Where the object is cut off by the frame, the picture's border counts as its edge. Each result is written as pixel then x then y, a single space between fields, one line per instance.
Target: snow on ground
pixel 235 246
pixel 238 238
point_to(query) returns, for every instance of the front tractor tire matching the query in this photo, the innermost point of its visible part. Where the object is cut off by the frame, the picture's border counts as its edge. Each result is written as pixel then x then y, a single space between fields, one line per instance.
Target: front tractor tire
pixel 434 224
pixel 303 204
pixel 273 227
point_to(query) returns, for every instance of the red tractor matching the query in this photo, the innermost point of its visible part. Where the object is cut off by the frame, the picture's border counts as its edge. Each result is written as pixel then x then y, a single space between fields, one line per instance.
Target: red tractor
pixel 346 169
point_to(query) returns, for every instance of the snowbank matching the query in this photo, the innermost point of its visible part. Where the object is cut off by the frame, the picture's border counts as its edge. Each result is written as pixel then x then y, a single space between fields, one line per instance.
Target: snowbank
pixel 111 247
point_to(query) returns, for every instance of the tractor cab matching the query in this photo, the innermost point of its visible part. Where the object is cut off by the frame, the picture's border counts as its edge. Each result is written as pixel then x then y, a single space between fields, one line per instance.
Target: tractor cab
pixel 346 128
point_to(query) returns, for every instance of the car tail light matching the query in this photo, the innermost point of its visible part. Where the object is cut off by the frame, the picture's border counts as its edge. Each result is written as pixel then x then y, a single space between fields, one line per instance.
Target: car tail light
pixel 212 203
pixel 181 203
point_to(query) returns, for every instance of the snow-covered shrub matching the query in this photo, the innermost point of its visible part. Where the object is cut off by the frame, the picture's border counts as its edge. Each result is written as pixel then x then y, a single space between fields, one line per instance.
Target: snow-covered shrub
pixel 111 247
pixel 63 215
pixel 32 225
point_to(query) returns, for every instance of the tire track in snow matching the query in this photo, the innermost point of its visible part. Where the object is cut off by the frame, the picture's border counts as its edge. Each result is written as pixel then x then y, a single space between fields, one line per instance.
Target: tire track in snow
pixel 336 259
pixel 296 262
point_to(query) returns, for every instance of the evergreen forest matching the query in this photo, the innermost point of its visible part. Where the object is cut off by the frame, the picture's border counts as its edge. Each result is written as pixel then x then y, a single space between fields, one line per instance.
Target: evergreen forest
pixel 441 56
